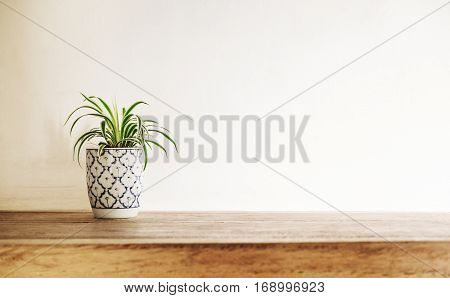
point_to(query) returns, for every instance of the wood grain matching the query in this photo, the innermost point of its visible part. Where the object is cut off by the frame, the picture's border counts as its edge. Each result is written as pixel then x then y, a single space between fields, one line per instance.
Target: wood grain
pixel 228 260
pixel 220 227
pixel 219 244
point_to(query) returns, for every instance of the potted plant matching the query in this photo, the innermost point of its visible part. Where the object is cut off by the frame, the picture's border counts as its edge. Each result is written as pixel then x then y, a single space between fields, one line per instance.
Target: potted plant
pixel 114 168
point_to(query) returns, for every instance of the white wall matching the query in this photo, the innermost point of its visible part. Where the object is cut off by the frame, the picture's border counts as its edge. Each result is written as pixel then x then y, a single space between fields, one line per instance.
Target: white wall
pixel 378 137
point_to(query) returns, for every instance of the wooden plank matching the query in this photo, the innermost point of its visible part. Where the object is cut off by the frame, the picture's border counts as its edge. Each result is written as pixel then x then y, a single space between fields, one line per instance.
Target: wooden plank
pixel 218 216
pixel 82 228
pixel 225 244
pixel 228 260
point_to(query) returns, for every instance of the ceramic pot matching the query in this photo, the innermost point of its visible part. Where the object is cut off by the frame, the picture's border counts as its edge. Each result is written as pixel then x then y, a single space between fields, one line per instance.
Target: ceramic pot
pixel 114 182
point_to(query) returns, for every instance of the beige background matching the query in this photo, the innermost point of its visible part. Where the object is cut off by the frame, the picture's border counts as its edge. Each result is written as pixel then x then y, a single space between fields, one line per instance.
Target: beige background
pixel 378 137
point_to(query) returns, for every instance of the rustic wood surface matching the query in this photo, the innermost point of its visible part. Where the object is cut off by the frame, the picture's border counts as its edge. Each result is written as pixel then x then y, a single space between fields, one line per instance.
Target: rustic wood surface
pixel 221 244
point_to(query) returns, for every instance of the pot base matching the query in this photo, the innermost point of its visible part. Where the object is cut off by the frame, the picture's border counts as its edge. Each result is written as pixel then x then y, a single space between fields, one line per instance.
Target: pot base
pixel 115 213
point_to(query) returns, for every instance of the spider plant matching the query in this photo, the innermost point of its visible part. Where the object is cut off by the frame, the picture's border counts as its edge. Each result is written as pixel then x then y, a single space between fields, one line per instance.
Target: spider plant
pixel 117 129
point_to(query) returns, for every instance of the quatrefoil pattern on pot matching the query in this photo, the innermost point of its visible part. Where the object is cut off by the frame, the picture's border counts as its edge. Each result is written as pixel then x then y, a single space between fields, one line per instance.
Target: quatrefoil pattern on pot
pixel 114 178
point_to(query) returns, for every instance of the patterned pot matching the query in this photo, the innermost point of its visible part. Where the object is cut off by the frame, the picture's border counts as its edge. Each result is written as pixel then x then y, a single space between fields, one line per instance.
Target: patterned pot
pixel 114 182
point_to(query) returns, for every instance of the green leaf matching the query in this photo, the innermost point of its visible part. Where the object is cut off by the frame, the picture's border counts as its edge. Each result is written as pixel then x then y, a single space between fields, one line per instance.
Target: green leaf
pixel 125 122
pixel 145 156
pixel 85 115
pixel 79 108
pixel 157 145
pixel 81 140
pixel 166 136
pixel 103 129
pixel 139 121
pixel 101 148
pixel 156 126
pixel 152 121
pixel 131 108
pixel 81 145
pixel 93 103
pixel 127 131
pixel 135 140
pixel 105 105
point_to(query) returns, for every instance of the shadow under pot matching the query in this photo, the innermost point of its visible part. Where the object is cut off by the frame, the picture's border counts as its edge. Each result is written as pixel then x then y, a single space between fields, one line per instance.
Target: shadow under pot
pixel 114 181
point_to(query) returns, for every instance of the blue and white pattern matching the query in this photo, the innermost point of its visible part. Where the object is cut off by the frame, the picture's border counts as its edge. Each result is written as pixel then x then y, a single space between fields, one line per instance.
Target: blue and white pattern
pixel 114 178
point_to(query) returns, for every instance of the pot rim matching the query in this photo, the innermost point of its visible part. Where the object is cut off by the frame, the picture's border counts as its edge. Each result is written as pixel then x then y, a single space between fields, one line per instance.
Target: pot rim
pixel 108 149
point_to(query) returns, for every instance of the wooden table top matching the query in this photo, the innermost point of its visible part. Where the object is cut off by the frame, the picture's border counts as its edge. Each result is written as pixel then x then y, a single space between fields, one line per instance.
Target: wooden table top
pixel 223 227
